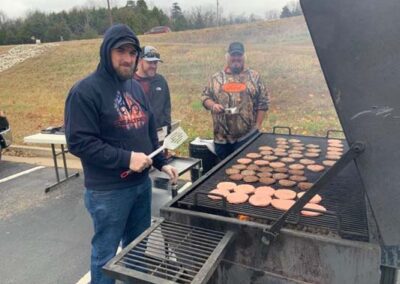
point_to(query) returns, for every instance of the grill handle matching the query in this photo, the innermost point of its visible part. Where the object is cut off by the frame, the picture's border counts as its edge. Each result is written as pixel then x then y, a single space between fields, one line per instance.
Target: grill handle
pixel 281 127
pixel 328 133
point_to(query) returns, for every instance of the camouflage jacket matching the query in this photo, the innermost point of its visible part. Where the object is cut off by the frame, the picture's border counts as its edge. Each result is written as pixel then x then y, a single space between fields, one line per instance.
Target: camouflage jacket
pixel 246 92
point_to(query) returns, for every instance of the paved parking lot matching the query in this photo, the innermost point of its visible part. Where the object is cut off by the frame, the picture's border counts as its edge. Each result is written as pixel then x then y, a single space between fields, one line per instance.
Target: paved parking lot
pixel 45 238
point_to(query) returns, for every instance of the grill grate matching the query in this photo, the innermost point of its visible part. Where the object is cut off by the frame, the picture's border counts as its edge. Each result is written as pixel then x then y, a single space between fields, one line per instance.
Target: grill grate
pixel 344 197
pixel 169 252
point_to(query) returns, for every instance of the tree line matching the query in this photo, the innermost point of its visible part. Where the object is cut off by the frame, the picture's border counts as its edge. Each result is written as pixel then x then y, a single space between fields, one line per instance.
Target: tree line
pixel 86 23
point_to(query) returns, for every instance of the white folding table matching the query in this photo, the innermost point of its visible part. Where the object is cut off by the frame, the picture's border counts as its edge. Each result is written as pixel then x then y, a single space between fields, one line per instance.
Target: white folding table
pixel 53 140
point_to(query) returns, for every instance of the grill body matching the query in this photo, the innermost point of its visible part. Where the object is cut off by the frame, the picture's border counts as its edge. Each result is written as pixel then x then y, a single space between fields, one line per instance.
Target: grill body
pixel 326 249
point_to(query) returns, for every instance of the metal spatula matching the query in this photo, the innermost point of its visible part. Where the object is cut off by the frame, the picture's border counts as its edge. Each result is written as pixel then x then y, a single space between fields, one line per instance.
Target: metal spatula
pixel 171 142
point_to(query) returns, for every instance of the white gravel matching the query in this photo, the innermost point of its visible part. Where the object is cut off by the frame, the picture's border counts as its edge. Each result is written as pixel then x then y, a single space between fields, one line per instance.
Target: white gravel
pixel 21 53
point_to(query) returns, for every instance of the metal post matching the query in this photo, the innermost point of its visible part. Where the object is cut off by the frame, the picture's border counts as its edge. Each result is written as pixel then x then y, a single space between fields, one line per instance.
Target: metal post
pixel 64 161
pixel 53 149
pixel 217 13
pixel 109 13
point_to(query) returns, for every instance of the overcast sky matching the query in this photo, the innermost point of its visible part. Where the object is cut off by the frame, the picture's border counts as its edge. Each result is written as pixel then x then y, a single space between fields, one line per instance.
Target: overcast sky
pixel 18 8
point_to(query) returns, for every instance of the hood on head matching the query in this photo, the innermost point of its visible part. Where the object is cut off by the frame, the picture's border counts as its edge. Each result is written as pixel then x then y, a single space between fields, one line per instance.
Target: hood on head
pixel 112 35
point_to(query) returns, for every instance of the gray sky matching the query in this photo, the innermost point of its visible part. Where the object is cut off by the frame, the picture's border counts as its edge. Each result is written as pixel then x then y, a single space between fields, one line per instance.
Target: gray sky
pixel 18 8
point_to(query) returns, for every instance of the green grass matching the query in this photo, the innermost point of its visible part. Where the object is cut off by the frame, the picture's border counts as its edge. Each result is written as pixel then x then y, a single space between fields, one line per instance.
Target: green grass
pixel 33 92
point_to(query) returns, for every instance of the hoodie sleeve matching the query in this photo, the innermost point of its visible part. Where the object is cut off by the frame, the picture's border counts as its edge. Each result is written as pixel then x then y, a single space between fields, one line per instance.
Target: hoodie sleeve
pixel 83 132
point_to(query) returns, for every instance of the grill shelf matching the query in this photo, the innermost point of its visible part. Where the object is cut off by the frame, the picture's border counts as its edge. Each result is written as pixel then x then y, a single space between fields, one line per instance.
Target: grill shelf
pixel 169 252
pixel 344 197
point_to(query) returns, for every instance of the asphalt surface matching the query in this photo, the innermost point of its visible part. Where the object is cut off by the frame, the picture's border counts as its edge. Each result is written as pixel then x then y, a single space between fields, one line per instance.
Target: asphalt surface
pixel 45 238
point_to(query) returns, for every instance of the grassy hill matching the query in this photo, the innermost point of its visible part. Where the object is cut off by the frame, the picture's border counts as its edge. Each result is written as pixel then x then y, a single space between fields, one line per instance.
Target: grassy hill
pixel 33 92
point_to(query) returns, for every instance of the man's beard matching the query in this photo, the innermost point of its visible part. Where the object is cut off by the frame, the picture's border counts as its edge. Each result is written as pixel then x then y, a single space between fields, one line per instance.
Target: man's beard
pixel 236 69
pixel 125 75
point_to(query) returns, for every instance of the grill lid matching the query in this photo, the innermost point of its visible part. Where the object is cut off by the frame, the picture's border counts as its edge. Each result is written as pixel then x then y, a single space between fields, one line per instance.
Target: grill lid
pixel 358 45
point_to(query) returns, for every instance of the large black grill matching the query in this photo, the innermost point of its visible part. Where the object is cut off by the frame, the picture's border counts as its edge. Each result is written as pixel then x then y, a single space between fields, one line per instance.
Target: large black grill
pixel 344 197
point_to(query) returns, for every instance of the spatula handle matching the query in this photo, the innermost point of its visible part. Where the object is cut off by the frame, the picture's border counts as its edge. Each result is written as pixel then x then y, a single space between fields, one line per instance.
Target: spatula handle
pixel 152 155
pixel 128 172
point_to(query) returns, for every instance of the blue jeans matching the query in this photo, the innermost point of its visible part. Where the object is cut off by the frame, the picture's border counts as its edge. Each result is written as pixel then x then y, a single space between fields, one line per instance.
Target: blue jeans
pixel 118 216
pixel 224 150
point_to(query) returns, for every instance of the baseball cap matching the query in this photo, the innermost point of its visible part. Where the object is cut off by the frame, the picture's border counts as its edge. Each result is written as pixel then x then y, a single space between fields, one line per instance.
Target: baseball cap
pixel 126 40
pixel 236 47
pixel 150 53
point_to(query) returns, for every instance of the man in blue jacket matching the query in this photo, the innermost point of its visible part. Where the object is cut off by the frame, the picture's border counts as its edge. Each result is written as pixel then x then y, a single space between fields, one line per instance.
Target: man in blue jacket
pixel 110 126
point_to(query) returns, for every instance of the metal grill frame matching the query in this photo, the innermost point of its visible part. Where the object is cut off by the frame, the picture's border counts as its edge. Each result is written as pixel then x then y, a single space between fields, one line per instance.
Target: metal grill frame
pixel 200 273
pixel 334 222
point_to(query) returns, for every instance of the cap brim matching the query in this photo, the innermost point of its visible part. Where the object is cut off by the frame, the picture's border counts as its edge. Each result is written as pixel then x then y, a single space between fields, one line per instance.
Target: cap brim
pixel 126 42
pixel 152 59
pixel 232 52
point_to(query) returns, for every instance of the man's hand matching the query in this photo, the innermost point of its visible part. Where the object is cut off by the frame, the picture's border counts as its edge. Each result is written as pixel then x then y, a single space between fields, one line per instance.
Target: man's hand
pixel 171 172
pixel 217 108
pixel 139 162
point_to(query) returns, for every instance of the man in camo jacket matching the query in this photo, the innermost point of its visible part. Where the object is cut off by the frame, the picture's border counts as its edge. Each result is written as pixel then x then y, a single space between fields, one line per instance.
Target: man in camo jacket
pixel 238 101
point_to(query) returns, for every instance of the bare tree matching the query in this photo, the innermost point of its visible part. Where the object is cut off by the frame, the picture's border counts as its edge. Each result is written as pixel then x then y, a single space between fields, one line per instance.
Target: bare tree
pixel 271 14
pixel 295 8
pixel 3 17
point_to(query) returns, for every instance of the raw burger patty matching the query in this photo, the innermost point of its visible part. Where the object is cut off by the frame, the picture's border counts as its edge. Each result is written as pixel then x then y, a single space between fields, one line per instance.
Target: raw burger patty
pixel 260 200
pixel 248 173
pixel 316 199
pixel 265 148
pixel 307 162
pixel 296 172
pixel 281 170
pixel 298 178
pixel 316 168
pixel 265 190
pixel 332 157
pixel 232 171
pixel 296 167
pixel 314 146
pixel 250 178
pixel 267 180
pixel 253 167
pixel 313 206
pixel 223 192
pixel 305 185
pixel 253 155
pixel 328 163
pixel 226 185
pixel 296 156
pixel 261 162
pixel 280 176
pixel 264 174
pixel 285 194
pixel 239 167
pixel 282 204
pixel 244 161
pixel 313 150
pixel 287 160
pixel 311 155
pixel 245 188
pixel 236 177
pixel 270 158
pixel 277 165
pixel 237 197
pixel 287 183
